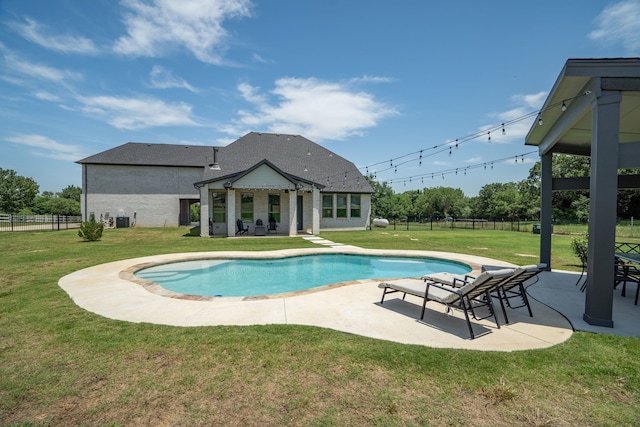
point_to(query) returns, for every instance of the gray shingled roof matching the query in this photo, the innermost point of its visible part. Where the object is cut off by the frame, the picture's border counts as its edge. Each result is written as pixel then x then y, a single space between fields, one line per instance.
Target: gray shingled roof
pixel 294 155
pixel 143 154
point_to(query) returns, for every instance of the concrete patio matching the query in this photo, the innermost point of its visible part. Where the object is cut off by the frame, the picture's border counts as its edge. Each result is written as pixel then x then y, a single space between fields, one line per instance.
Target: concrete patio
pixel 354 307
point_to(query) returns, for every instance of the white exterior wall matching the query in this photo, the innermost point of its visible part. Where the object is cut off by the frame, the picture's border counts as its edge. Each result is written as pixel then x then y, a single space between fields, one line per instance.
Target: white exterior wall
pixel 153 193
pixel 335 223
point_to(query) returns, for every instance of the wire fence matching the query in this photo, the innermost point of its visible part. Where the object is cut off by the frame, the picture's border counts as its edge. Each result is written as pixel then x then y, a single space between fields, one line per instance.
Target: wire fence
pixel 624 228
pixel 10 222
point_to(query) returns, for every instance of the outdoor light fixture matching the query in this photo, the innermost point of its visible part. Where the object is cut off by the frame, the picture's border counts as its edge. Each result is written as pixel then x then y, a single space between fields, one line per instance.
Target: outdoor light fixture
pixel 215 166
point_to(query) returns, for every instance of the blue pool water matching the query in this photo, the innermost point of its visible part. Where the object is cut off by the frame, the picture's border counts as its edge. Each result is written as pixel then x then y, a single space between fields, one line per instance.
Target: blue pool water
pixel 253 277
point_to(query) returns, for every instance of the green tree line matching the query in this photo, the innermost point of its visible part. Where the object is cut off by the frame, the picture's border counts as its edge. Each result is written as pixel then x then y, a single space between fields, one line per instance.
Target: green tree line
pixel 21 195
pixel 501 201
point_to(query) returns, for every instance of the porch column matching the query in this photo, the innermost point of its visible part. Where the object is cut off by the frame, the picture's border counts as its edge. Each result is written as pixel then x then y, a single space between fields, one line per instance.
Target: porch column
pixel 546 208
pixel 204 210
pixel 602 208
pixel 293 213
pixel 316 211
pixel 231 212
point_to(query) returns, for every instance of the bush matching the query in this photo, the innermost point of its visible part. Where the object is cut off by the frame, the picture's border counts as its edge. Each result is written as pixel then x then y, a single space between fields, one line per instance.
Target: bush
pixel 91 230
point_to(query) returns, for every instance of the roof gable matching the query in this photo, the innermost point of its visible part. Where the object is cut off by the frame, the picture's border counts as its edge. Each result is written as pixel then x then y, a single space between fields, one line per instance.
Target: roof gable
pixel 293 155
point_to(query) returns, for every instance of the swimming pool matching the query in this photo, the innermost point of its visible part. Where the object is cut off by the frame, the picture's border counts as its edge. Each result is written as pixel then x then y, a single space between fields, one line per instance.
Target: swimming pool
pixel 255 277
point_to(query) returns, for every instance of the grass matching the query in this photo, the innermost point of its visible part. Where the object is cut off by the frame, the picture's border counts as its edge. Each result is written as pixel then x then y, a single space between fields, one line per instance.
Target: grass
pixel 61 365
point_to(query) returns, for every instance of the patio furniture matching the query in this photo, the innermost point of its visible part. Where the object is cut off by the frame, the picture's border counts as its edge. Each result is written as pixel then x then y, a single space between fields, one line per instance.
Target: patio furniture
pixel 470 296
pixel 627 270
pixel 512 287
pixel 242 229
pixel 272 225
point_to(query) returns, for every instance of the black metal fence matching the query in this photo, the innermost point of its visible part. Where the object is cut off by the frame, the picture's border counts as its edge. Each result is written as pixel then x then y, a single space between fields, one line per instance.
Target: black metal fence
pixel 464 223
pixel 38 222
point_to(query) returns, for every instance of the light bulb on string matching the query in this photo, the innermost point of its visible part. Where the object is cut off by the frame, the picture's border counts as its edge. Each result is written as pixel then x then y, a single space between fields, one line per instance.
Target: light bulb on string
pixel 504 132
pixel 540 122
pixel 564 106
pixel 449 151
pixel 489 139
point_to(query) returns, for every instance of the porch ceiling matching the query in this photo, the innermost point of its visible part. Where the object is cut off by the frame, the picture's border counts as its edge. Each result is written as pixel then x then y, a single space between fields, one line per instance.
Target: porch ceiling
pixel 569 130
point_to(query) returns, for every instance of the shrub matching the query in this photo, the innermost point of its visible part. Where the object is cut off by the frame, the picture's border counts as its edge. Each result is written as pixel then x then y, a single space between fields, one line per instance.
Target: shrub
pixel 91 230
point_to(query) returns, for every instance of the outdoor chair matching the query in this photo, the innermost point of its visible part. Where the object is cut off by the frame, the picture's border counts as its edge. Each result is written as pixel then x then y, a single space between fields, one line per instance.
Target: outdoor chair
pixel 272 226
pixel 627 272
pixel 469 296
pixel 512 287
pixel 582 254
pixel 242 229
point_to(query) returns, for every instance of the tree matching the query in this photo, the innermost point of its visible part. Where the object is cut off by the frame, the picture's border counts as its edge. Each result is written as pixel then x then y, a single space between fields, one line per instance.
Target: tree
pixel 71 192
pixel 16 192
pixel 382 198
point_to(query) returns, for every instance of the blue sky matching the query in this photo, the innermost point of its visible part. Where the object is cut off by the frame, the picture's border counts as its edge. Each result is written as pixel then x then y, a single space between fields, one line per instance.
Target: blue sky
pixel 374 81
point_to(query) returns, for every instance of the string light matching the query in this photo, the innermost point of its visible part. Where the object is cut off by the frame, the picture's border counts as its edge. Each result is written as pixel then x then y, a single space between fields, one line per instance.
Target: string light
pixel 419 155
pixel 489 133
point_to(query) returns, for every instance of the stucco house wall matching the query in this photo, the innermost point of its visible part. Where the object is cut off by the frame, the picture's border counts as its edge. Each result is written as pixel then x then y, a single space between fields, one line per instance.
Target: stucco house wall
pixel 335 223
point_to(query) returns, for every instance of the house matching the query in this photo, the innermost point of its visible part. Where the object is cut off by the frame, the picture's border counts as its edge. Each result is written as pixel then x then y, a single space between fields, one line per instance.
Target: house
pixel 297 184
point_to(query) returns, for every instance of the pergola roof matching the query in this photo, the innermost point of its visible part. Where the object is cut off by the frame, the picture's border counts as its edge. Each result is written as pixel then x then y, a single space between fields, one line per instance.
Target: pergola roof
pixel 569 130
pixel 593 109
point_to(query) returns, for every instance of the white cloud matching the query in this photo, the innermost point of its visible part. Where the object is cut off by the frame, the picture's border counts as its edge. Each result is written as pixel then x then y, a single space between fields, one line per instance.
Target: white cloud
pixel 138 113
pixel 39 71
pixel 35 33
pixel 46 147
pixel 46 96
pixel 153 27
pixel 164 79
pixel 318 109
pixel 619 24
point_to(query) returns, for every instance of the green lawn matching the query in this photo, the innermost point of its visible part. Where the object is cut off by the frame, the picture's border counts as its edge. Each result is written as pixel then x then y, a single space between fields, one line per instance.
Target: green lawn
pixel 61 365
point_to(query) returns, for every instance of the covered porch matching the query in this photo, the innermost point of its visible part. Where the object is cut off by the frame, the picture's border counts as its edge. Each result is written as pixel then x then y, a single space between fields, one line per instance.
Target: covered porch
pixel 261 202
pixel 592 110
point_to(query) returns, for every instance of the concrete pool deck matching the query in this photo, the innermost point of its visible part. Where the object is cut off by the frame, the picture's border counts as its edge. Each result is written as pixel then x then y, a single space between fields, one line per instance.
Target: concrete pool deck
pixel 354 307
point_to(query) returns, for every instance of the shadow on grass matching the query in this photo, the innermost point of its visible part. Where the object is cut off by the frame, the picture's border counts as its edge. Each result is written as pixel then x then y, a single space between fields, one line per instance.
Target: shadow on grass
pixel 193 232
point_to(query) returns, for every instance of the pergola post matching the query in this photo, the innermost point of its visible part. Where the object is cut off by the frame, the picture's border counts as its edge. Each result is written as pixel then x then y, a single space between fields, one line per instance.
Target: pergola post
pixel 602 208
pixel 546 211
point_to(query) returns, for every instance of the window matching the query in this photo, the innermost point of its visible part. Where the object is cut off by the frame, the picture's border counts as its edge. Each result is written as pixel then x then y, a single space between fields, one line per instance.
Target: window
pixel 327 206
pixel 246 207
pixel 274 207
pixel 219 207
pixel 355 206
pixel 341 206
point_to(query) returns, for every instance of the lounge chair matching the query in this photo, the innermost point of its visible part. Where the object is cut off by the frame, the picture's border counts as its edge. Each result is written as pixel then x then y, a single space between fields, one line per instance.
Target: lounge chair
pixel 511 287
pixel 468 297
pixel 242 229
